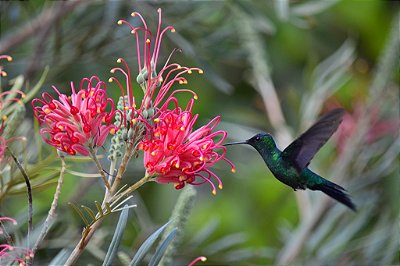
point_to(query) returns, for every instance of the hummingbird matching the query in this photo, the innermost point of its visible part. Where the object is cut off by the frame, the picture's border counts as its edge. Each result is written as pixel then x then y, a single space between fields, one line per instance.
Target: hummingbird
pixel 290 166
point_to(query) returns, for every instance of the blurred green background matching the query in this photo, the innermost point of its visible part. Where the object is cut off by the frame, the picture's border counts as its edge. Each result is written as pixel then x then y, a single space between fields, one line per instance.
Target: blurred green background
pixel 269 66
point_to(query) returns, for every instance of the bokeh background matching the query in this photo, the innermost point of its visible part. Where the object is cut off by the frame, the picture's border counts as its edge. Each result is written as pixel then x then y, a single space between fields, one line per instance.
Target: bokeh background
pixel 269 66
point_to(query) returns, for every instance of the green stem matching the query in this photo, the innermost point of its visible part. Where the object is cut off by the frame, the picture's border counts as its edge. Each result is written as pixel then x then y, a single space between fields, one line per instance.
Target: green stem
pixel 50 216
pixel 99 167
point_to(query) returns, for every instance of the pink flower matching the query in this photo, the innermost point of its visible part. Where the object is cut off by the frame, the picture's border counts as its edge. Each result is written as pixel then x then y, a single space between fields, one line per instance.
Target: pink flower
pixel 10 254
pixel 156 86
pixel 174 153
pixel 77 123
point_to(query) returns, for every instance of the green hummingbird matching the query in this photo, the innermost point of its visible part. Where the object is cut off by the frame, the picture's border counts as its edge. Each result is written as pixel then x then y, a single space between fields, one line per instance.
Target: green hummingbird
pixel 290 166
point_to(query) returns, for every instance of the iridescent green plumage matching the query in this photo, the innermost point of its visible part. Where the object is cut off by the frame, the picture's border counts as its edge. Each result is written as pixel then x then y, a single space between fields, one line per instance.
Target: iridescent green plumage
pixel 290 165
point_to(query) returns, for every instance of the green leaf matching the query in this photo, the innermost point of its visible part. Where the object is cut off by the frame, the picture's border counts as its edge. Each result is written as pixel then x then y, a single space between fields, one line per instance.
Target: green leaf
pixel 79 212
pixel 119 230
pixel 144 248
pixel 162 248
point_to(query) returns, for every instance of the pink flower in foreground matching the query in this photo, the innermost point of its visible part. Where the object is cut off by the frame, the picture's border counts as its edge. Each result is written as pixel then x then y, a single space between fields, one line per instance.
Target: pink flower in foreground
pixel 10 254
pixel 174 153
pixel 156 86
pixel 77 123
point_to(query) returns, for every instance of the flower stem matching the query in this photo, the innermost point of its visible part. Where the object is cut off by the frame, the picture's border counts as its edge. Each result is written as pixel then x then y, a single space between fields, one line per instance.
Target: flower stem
pixel 132 188
pixel 99 168
pixel 50 216
pixel 109 195
pixel 122 167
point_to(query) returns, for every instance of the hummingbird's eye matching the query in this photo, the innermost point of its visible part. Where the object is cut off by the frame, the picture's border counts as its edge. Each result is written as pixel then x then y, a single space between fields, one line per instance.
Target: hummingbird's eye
pixel 257 138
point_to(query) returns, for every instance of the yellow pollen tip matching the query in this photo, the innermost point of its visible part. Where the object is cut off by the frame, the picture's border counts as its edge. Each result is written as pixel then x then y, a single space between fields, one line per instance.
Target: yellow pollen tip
pixel 126 108
pixel 203 259
pixel 4 117
pixel 23 95
pixel 119 60
pixel 182 128
pixel 119 22
pixel 156 120
pixel 189 71
pixel 233 170
pixel 148 41
pixel 134 121
pixel 173 30
pixel 133 14
pixel 112 131
pixel 160 79
pixel 4 74
pixel 195 97
pixel 153 153
pixel 110 80
pixel 214 192
pixel 181 82
pixel 9 58
pixel 176 165
pixel 201 71
pixel 220 186
pixel 201 158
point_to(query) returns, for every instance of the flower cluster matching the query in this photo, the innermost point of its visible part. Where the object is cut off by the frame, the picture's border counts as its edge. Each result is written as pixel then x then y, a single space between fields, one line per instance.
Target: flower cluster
pixel 175 153
pixel 156 86
pixel 78 123
pixel 11 254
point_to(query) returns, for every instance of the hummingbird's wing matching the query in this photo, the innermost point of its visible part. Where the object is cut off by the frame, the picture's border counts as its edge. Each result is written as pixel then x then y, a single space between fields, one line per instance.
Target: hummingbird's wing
pixel 303 149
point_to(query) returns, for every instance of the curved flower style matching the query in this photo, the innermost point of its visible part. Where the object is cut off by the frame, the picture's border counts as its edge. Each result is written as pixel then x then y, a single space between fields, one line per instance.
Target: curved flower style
pixel 77 123
pixel 9 59
pixel 156 86
pixel 174 153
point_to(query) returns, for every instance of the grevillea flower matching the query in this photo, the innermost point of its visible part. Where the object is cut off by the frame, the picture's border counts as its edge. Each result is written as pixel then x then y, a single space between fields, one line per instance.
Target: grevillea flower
pixel 77 123
pixel 11 254
pixel 175 153
pixel 156 86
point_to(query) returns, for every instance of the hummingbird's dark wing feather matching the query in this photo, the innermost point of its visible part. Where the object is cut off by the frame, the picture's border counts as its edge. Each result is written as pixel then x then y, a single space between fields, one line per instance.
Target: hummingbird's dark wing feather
pixel 303 149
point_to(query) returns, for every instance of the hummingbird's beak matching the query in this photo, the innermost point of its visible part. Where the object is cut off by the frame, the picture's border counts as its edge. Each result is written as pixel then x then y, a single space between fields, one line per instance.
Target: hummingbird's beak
pixel 235 143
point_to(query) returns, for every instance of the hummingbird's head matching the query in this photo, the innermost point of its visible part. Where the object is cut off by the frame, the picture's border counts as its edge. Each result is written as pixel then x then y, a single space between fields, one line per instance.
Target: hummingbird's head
pixel 258 141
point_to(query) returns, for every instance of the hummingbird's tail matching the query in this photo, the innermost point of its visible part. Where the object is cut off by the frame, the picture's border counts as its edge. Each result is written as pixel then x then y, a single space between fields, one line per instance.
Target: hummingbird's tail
pixel 335 191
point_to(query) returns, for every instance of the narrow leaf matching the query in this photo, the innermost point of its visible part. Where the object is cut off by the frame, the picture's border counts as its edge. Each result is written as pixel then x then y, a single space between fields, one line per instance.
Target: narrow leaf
pixel 99 209
pixel 144 248
pixel 108 208
pixel 162 248
pixel 119 230
pixel 79 212
pixel 89 212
